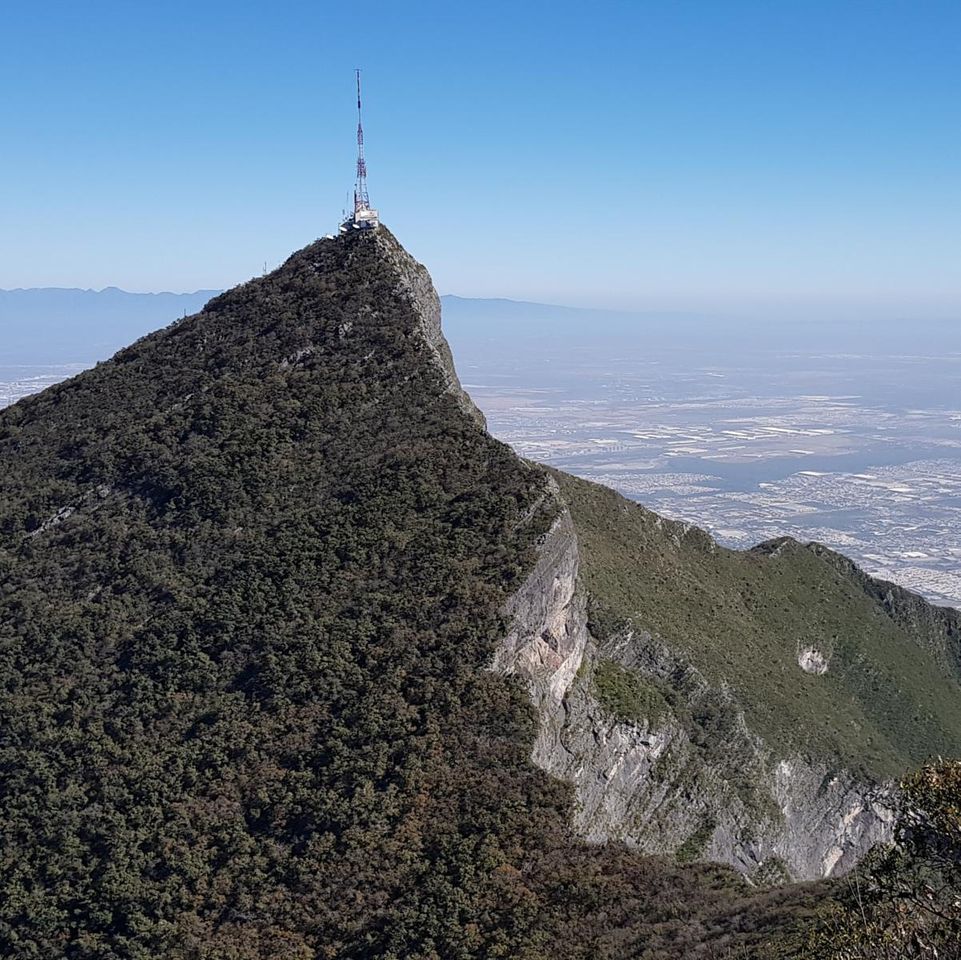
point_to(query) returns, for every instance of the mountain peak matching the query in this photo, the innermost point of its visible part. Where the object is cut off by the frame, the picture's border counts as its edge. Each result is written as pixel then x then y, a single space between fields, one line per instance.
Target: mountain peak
pixel 337 297
pixel 262 574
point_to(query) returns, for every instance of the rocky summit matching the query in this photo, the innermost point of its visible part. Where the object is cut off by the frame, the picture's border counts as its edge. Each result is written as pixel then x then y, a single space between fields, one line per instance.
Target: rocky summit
pixel 298 661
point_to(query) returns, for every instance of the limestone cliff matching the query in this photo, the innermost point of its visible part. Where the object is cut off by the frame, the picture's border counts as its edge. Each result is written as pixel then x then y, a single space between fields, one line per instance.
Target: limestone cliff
pixel 649 784
pixel 697 780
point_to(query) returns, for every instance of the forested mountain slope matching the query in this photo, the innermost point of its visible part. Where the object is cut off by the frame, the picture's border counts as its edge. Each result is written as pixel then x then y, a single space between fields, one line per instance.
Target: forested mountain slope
pixel 254 573
pixel 824 658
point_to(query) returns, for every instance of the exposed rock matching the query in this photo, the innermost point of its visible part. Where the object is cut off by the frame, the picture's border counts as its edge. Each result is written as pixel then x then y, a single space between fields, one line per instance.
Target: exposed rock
pixel 89 502
pixel 546 643
pixel 830 819
pixel 665 788
pixel 811 660
pixel 415 283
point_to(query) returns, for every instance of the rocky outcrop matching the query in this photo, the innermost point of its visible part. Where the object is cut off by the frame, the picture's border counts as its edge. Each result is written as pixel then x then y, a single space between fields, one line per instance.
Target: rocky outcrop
pixel 830 819
pixel 549 632
pixel 415 284
pixel 696 784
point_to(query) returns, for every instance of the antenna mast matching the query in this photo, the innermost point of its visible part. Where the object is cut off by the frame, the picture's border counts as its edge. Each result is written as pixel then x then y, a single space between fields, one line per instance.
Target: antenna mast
pixel 363 217
pixel 361 200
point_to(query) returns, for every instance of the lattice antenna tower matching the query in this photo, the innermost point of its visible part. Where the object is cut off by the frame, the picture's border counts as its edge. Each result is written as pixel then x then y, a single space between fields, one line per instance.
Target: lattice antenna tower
pixel 361 199
pixel 363 217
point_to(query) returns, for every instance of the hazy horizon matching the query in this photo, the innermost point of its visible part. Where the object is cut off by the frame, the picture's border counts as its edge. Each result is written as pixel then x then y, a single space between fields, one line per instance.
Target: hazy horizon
pixel 785 312
pixel 70 325
pixel 737 157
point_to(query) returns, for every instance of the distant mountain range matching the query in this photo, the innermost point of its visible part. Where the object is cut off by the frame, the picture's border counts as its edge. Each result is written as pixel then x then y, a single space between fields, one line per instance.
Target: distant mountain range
pixel 50 325
pixel 62 325
pixel 68 325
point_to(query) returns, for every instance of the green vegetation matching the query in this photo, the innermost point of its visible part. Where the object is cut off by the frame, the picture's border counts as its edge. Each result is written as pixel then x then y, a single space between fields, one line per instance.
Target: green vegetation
pixel 891 697
pixel 694 846
pixel 250 580
pixel 627 695
pixel 772 872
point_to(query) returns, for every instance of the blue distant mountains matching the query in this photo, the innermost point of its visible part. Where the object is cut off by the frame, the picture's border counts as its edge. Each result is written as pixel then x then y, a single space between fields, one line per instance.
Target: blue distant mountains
pixel 61 325
pixel 68 325
pixel 51 325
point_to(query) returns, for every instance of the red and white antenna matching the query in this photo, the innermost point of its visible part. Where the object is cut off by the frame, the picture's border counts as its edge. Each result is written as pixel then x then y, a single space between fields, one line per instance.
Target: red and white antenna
pixel 361 200
pixel 363 218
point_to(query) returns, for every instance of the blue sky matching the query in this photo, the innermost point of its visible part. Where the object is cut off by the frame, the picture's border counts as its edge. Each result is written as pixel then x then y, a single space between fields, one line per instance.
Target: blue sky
pixel 788 156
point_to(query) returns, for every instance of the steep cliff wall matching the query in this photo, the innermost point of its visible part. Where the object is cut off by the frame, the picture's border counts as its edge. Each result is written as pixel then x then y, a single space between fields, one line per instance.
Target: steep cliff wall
pixel 696 783
pixel 549 633
pixel 692 781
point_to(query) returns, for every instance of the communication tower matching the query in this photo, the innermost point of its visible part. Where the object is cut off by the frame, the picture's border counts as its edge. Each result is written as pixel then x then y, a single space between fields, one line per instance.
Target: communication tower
pixel 364 216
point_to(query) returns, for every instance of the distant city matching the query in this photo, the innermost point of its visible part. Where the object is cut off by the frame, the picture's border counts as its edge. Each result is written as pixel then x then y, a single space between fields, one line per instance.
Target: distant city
pixel 20 380
pixel 860 451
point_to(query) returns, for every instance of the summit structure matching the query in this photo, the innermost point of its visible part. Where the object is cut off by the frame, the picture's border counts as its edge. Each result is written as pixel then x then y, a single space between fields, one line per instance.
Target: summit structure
pixel 364 216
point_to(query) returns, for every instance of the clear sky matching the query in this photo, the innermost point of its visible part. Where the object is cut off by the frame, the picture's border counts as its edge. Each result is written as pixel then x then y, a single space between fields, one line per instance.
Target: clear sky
pixel 784 155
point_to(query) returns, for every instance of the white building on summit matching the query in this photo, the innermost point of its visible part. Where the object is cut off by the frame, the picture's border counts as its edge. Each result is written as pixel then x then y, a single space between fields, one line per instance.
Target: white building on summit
pixel 364 216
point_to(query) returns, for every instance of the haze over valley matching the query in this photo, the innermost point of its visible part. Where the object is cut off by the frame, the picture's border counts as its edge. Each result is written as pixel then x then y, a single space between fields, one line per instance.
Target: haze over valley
pixel 860 452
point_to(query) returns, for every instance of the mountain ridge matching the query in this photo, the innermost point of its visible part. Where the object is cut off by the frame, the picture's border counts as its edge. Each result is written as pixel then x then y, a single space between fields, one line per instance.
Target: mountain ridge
pixel 780 700
pixel 282 630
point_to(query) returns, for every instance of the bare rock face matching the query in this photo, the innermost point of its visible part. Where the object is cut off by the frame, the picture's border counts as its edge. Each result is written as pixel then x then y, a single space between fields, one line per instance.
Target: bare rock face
pixel 663 787
pixel 546 644
pixel 830 820
pixel 812 660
